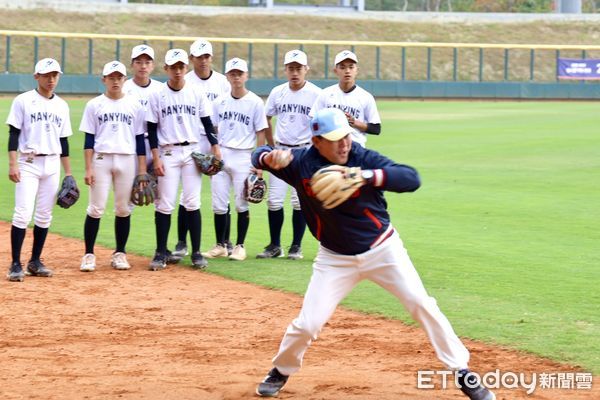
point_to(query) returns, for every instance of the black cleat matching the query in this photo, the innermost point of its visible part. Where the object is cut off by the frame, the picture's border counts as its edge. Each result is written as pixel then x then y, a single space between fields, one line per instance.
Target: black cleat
pixel 271 251
pixel 181 249
pixel 471 386
pixel 295 252
pixel 159 262
pixel 198 260
pixel 15 273
pixel 272 384
pixel 173 258
pixel 37 268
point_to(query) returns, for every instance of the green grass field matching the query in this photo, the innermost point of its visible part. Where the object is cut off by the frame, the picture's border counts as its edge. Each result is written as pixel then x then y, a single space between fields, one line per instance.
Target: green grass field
pixel 504 230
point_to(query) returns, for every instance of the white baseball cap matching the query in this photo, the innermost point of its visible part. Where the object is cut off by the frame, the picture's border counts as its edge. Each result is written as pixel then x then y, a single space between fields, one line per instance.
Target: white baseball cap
pixel 201 47
pixel 174 56
pixel 345 55
pixel 142 49
pixel 236 63
pixel 47 65
pixel 114 66
pixel 297 56
pixel 331 124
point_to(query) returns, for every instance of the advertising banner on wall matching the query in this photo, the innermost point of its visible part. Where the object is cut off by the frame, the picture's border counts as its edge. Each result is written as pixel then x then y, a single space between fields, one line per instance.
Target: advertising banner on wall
pixel 576 68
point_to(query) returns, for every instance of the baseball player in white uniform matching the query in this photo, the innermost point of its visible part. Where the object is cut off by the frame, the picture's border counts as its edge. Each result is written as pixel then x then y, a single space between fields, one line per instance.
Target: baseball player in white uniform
pixel 213 84
pixel 114 135
pixel 241 123
pixel 39 124
pixel 291 102
pixel 358 104
pixel 174 116
pixel 141 85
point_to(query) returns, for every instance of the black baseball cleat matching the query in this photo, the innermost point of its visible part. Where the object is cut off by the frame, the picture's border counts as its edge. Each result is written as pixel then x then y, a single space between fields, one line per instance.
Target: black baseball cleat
pixel 198 260
pixel 37 268
pixel 295 252
pixel 181 249
pixel 15 273
pixel 173 258
pixel 159 262
pixel 271 251
pixel 471 386
pixel 272 384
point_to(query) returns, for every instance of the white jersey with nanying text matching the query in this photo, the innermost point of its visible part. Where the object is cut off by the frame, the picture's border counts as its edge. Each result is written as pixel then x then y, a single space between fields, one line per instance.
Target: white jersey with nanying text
pixel 359 103
pixel 142 93
pixel 238 120
pixel 292 109
pixel 178 113
pixel 114 123
pixel 214 86
pixel 42 122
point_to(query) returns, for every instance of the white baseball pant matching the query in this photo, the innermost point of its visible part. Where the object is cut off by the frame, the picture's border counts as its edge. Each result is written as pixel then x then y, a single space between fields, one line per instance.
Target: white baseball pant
pixel 236 170
pixel 118 170
pixel 179 166
pixel 40 176
pixel 335 275
pixel 278 188
pixel 204 147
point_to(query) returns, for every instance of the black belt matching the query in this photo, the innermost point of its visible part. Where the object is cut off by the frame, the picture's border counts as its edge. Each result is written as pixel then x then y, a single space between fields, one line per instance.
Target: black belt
pixel 41 155
pixel 293 145
pixel 186 143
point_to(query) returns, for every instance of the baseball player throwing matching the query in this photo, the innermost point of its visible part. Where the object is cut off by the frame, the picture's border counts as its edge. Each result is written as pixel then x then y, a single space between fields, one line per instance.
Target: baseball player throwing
pixel 213 84
pixel 291 102
pixel 173 116
pixel 114 134
pixel 357 104
pixel 340 185
pixel 39 124
pixel 241 122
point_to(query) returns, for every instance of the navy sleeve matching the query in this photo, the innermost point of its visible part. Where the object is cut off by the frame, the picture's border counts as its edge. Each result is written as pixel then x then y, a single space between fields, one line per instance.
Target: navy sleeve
pixel 13 138
pixel 210 130
pixel 152 134
pixel 89 141
pixel 389 175
pixel 64 147
pixel 287 174
pixel 140 145
pixel 373 129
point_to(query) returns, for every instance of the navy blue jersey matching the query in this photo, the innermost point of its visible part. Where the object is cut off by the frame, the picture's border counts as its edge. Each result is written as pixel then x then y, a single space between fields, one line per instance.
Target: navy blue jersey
pixel 358 224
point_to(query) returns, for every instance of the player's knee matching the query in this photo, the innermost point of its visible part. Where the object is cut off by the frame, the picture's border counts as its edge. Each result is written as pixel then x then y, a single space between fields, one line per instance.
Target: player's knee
pixel 43 221
pixel 296 205
pixel 123 212
pixel 219 210
pixel 241 208
pixel 95 211
pixel 274 205
pixel 419 306
pixel 20 220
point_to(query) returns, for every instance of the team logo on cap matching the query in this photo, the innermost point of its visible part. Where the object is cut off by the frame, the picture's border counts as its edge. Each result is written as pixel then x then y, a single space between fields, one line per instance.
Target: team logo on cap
pixel 49 63
pixel 143 48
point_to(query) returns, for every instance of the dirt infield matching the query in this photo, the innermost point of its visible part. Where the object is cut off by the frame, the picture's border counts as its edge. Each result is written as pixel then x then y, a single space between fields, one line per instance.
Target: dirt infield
pixel 185 334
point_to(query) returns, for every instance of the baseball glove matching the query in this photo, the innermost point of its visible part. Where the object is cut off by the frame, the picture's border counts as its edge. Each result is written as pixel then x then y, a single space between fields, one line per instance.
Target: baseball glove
pixel 144 191
pixel 208 164
pixel 334 184
pixel 255 188
pixel 69 192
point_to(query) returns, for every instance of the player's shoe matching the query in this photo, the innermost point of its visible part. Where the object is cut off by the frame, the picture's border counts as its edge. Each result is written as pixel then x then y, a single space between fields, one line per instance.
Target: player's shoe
pixel 218 251
pixel 272 384
pixel 238 253
pixel 172 258
pixel 88 263
pixel 37 268
pixel 271 251
pixel 119 261
pixel 181 249
pixel 15 273
pixel 295 252
pixel 198 261
pixel 472 387
pixel 159 262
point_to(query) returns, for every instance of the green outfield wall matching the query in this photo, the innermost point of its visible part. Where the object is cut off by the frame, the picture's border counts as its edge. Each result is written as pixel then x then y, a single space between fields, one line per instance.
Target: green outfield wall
pixel 91 84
